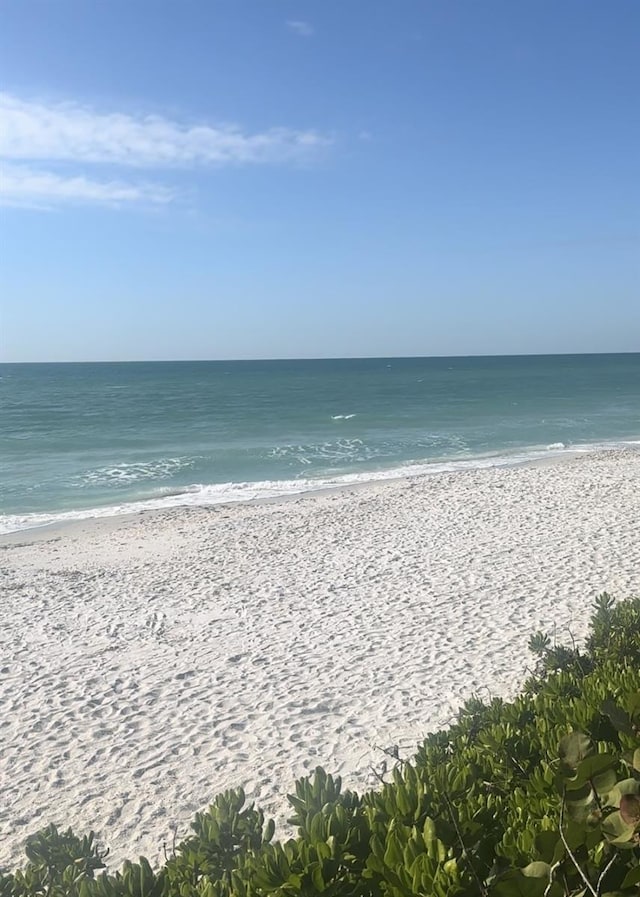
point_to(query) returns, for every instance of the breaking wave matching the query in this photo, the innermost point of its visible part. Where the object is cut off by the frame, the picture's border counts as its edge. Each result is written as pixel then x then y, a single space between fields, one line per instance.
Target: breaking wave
pixel 202 495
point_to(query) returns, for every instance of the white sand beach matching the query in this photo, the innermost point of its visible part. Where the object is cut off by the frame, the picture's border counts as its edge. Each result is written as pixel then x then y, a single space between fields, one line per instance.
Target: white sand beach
pixel 149 662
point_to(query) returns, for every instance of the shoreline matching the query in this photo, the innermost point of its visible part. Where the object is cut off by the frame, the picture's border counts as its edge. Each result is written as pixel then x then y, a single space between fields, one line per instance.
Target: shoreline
pixel 58 528
pixel 152 661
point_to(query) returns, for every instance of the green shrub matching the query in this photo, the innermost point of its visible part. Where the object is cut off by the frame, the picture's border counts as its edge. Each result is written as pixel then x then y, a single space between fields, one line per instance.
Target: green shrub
pixel 615 631
pixel 58 863
pixel 537 797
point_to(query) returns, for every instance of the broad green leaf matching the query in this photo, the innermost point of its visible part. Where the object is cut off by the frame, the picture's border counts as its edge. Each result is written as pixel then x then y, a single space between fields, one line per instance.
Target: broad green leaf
pixel 626 786
pixel 630 809
pixel 595 765
pixel 574 833
pixel 393 854
pixel 617 715
pixel 605 781
pixel 546 844
pixel 537 870
pixel 616 830
pixel 377 847
pixel 515 884
pixel 633 703
pixel 574 748
pixel 579 812
pixel 317 878
pixel 581 794
pixel 632 878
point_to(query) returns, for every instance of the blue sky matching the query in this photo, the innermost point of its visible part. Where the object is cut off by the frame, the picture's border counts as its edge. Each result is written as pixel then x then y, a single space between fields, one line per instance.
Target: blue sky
pixel 281 178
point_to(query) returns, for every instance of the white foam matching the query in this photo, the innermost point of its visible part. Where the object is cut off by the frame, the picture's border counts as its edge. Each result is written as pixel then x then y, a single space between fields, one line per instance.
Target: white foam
pixel 199 494
pixel 340 451
pixel 133 472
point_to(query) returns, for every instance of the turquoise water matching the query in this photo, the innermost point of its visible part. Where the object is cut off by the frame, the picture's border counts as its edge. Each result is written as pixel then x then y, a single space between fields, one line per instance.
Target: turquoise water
pixel 84 439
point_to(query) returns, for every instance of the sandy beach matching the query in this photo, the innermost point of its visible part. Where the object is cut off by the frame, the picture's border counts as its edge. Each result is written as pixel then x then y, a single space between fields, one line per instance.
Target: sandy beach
pixel 149 662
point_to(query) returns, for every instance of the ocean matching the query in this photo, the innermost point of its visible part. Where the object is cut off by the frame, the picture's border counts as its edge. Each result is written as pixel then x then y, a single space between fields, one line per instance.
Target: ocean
pixel 95 439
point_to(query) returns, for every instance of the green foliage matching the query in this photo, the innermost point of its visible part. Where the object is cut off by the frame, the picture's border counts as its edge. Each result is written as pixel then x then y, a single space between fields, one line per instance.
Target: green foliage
pixel 615 631
pixel 59 864
pixel 227 831
pixel 538 797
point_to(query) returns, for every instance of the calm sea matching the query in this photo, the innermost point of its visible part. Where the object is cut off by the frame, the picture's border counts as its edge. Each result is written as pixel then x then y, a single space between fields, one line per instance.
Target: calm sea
pixel 81 440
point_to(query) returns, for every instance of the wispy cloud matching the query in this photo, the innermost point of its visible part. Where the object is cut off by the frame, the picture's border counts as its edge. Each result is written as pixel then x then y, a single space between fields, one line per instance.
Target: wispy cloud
pixel 68 131
pixel 77 136
pixel 29 188
pixel 304 29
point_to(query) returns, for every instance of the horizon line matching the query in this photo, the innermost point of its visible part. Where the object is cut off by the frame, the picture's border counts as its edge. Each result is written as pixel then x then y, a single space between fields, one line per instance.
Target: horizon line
pixel 319 358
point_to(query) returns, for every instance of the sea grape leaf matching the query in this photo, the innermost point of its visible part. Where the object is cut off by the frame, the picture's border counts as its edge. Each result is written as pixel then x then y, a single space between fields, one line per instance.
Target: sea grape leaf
pixel 580 812
pixel 515 884
pixel 625 786
pixel 537 870
pixel 630 809
pixel 605 781
pixel 574 833
pixel 618 717
pixel 574 748
pixel 593 766
pixel 616 830
pixel 582 794
pixel 632 877
pixel 546 842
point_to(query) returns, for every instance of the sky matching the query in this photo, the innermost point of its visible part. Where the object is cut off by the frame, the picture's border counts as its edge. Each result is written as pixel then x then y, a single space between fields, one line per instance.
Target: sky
pixel 318 178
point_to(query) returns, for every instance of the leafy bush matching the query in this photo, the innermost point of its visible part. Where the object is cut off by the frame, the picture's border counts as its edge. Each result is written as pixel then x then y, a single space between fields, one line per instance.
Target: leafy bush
pixel 538 797
pixel 615 631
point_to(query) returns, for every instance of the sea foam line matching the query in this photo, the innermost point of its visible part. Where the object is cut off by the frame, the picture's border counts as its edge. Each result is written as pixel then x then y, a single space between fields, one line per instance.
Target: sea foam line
pixel 203 495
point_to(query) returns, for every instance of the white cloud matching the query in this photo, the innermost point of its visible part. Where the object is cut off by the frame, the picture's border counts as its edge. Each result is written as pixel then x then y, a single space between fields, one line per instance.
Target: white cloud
pixel 304 29
pixel 71 132
pixel 71 138
pixel 28 188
